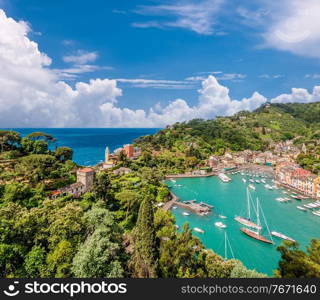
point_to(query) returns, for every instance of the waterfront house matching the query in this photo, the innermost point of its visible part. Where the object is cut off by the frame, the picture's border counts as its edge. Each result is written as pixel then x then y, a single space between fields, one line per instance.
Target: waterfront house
pixel 316 184
pixel 213 162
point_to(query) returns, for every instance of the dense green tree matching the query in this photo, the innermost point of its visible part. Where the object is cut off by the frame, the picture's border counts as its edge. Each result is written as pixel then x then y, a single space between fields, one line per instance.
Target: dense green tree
pixel 35 262
pixel 102 186
pixel 101 255
pixel 8 140
pixel 295 263
pixel 63 153
pixel 144 260
pixel 19 193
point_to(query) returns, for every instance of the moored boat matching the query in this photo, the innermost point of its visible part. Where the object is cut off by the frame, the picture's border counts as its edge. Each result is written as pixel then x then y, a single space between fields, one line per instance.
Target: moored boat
pixel 224 177
pixel 282 236
pixel 255 235
pixel 247 222
pixel 301 208
pixel 244 180
pixel 222 217
pixel 220 225
pixel 251 186
pixel 198 230
pixel 186 214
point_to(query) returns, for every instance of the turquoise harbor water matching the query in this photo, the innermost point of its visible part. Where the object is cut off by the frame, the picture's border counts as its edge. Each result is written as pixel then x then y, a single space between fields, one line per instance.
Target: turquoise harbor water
pixel 89 144
pixel 229 199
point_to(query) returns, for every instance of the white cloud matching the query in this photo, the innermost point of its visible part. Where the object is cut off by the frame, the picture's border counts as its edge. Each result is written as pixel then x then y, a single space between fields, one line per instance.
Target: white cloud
pixel 219 75
pixel 198 16
pixel 32 95
pixel 294 26
pixel 299 95
pixel 267 76
pixel 81 57
pixel 156 83
pixel 312 76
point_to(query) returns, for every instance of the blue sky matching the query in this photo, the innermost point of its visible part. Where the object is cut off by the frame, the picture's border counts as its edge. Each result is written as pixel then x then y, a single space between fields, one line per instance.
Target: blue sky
pixel 161 51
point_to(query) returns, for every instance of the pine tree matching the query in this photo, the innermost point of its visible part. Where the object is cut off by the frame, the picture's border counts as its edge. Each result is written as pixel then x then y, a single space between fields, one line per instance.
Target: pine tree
pixel 144 261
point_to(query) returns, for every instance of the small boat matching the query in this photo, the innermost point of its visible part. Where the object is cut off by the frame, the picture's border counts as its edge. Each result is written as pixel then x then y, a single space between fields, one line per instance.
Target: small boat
pixel 222 217
pixel 220 225
pixel 268 186
pixel 294 196
pixel 282 236
pixel 251 186
pixel 279 199
pixel 224 177
pixel 244 180
pixel 176 226
pixel 186 214
pixel 301 208
pixel 172 180
pixel 251 180
pixel 263 181
pixel 257 181
pixel 174 207
pixel 316 213
pixel 198 230
pixel 285 192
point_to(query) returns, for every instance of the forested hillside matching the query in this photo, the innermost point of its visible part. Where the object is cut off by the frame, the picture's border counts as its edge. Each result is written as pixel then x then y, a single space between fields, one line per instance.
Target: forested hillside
pixel 187 144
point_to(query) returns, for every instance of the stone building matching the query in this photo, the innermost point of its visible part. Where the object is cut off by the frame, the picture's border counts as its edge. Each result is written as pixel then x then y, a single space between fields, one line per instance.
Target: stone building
pixel 85 181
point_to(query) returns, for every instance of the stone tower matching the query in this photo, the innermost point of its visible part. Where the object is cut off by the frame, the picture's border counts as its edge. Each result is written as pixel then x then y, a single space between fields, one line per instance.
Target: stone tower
pixel 86 177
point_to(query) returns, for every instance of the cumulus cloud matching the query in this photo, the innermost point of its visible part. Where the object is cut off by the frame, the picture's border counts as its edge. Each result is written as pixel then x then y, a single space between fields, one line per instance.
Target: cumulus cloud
pixel 33 95
pixel 299 95
pixel 295 27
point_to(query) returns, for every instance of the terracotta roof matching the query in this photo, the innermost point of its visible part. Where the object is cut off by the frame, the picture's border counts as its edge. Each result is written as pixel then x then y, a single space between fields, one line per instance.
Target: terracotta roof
pixel 86 170
pixel 54 193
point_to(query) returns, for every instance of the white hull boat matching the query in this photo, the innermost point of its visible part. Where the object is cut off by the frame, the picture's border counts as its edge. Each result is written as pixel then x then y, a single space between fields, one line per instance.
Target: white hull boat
pixel 198 230
pixel 282 236
pixel 251 186
pixel 220 225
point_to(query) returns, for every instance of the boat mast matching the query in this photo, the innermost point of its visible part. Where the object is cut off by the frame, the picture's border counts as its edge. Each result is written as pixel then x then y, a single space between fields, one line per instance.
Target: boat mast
pixel 248 204
pixel 258 215
pixel 225 246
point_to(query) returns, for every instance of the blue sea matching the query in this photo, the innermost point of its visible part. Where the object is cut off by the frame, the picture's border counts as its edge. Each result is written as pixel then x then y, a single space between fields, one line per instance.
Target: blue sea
pixel 89 144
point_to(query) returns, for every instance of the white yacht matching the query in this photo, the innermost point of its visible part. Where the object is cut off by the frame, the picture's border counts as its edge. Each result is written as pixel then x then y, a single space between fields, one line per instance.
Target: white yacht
pixel 301 208
pixel 220 225
pixel 224 177
pixel 198 230
pixel 251 186
pixel 282 236
pixel 186 214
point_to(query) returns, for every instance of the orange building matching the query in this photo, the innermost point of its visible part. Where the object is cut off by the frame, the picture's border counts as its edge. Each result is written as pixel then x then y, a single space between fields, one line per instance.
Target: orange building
pixel 129 150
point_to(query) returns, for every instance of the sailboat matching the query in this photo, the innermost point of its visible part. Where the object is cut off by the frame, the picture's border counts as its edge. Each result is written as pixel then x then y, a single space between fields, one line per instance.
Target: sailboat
pixel 247 221
pixel 227 243
pixel 256 234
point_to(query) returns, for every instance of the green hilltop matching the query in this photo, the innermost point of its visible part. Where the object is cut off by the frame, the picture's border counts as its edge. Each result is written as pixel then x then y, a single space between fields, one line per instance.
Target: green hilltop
pixel 187 144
